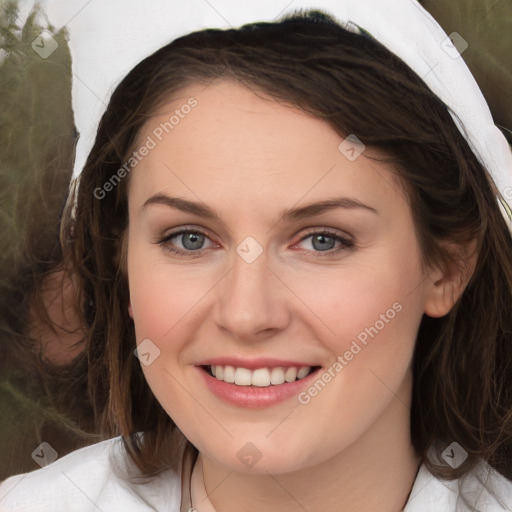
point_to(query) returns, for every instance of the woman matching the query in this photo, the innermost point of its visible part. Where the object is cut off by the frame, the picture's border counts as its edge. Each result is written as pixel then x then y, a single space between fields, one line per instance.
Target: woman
pixel 297 285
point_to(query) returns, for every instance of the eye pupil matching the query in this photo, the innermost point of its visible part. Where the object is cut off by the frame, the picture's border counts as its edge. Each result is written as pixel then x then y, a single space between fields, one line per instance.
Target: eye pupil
pixel 196 240
pixel 321 239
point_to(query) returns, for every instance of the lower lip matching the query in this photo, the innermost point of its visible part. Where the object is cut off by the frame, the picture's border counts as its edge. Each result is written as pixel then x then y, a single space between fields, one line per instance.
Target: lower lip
pixel 253 396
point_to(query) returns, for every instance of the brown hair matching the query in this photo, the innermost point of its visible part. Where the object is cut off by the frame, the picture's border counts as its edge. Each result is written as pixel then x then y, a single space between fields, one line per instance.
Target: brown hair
pixel 462 364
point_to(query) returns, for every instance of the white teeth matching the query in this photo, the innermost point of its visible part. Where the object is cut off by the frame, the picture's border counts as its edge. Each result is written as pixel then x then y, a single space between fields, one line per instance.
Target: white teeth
pixel 291 374
pixel 303 372
pixel 229 374
pixel 243 377
pixel 277 376
pixel 261 377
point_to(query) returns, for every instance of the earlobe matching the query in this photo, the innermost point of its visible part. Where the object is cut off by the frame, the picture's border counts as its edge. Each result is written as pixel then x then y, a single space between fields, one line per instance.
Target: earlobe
pixel 442 296
pixel 130 312
pixel 447 286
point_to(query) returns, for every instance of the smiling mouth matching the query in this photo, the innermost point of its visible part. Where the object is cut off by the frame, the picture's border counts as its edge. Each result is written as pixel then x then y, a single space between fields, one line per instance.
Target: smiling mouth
pixel 260 377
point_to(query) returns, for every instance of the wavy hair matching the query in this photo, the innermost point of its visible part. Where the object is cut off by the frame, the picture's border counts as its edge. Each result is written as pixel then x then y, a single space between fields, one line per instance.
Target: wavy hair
pixel 462 364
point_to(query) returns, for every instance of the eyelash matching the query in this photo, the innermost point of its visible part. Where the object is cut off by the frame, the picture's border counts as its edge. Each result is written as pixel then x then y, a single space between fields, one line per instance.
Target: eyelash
pixel 345 242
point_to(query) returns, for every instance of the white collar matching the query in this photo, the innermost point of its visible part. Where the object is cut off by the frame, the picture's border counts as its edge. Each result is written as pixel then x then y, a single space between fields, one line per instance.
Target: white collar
pixel 483 489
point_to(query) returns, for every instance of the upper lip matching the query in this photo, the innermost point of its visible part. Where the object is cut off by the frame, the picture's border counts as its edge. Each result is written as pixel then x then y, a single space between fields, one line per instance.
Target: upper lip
pixel 253 364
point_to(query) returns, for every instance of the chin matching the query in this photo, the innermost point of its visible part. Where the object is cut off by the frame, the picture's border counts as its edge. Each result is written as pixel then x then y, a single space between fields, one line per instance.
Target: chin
pixel 262 456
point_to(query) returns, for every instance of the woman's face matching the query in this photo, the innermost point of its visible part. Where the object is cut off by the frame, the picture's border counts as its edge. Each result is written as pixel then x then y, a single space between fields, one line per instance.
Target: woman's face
pixel 302 254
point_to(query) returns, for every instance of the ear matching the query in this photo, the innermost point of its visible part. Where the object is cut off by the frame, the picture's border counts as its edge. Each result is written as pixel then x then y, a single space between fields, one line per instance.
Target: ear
pixel 446 285
pixel 130 312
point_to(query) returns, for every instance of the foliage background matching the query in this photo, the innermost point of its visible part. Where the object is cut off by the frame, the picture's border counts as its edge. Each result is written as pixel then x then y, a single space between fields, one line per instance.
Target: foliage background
pixel 37 141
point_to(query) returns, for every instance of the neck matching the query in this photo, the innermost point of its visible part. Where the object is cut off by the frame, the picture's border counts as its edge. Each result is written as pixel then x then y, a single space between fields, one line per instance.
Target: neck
pixel 377 471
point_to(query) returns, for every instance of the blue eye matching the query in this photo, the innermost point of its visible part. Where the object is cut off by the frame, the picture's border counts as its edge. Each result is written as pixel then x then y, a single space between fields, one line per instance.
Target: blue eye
pixel 323 241
pixel 192 241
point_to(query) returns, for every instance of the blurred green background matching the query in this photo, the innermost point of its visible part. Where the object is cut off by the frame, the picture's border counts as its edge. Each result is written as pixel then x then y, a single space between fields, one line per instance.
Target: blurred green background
pixel 37 143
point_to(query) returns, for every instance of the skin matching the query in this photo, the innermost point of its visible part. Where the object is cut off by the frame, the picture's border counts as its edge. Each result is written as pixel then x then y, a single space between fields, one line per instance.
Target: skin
pixel 249 158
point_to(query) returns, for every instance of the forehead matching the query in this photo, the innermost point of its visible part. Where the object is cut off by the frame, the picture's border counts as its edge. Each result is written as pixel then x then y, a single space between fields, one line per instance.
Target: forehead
pixel 225 140
pixel 231 117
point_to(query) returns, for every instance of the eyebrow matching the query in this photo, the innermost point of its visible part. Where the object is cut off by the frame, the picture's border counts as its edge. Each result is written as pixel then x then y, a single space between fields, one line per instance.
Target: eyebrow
pixel 289 215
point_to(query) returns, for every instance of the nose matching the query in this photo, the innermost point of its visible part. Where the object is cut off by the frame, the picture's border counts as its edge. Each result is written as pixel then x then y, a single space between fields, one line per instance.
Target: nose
pixel 252 303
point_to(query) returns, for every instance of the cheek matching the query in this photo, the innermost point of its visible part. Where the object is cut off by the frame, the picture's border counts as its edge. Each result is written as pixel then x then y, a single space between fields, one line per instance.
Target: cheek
pixel 373 314
pixel 160 301
pixel 159 296
pixel 378 299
